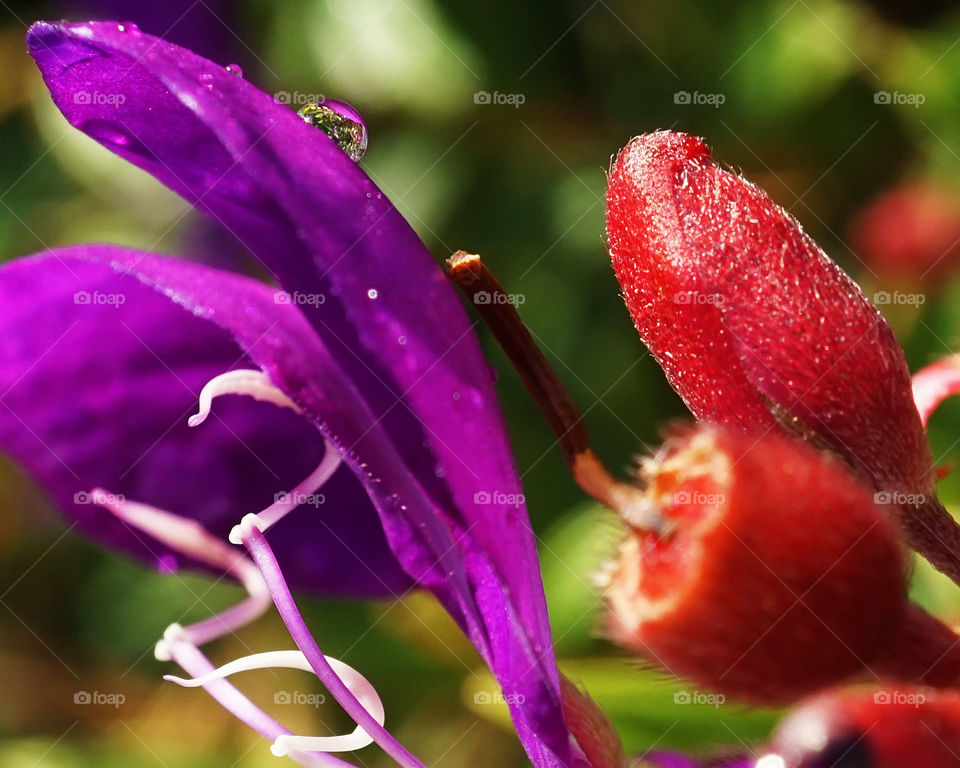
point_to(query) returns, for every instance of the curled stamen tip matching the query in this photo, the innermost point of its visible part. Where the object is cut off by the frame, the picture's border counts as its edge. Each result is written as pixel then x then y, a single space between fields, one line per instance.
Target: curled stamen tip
pixel 281 747
pixel 184 682
pixel 162 650
pixel 253 383
pixel 239 532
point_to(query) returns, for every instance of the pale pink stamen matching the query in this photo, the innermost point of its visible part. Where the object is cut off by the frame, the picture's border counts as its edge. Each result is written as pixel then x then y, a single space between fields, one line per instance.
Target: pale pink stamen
pixel 181 644
pixel 934 384
pixel 189 538
pixel 257 384
pixel 252 383
pixel 193 662
pixel 283 745
pixel 304 492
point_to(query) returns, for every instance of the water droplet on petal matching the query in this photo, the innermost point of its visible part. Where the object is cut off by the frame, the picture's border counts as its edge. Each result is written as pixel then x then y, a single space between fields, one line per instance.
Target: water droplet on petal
pixel 106 132
pixel 402 340
pixel 372 293
pixel 340 122
pixel 235 69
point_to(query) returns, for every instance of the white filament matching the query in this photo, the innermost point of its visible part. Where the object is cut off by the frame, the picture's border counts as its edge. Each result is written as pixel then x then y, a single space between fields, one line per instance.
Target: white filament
pixel 357 684
pixel 253 383
pixel 304 491
pixel 190 538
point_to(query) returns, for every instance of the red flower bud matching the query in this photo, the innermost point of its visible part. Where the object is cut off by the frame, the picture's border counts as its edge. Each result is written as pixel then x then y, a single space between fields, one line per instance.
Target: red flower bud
pixel 774 572
pixel 904 728
pixel 754 324
pixel 910 234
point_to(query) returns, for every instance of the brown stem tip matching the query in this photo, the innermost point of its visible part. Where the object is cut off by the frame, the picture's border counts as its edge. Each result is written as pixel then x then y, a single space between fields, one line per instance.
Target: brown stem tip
pixel 498 311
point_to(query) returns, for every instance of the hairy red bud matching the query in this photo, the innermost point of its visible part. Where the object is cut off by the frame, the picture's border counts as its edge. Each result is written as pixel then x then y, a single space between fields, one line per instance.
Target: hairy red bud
pixel 754 324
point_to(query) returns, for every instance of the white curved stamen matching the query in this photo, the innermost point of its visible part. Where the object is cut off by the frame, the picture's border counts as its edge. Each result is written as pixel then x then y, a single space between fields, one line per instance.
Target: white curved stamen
pixel 357 683
pixel 253 383
pixel 290 501
pixel 189 538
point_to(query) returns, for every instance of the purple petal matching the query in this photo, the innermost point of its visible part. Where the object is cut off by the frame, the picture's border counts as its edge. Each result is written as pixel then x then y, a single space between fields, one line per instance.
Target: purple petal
pixel 97 394
pixel 323 228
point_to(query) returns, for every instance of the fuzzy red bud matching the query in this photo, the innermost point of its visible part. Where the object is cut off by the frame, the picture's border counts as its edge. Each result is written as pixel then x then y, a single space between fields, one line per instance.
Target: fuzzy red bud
pixel 754 324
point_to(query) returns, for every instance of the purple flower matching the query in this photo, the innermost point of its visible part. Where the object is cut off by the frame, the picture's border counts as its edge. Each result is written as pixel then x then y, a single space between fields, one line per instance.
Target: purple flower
pixel 377 408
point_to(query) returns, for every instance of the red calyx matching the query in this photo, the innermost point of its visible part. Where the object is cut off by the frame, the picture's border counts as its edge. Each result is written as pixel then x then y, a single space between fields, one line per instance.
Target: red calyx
pixel 888 728
pixel 754 324
pixel 774 572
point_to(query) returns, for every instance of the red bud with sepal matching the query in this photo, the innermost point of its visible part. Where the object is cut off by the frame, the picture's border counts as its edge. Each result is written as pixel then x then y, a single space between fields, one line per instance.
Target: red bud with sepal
pixel 765 569
pixel 754 324
pixel 904 728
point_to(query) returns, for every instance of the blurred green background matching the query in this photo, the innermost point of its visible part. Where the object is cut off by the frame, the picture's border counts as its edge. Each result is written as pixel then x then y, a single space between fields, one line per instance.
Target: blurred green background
pixel 522 184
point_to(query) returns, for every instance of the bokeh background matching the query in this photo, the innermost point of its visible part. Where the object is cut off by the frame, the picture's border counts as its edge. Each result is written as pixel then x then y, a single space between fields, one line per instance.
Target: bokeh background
pixel 828 105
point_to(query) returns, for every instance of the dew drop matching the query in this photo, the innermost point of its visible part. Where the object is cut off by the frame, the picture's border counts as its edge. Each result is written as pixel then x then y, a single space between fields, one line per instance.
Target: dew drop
pixel 372 293
pixel 235 69
pixel 106 132
pixel 402 340
pixel 340 122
